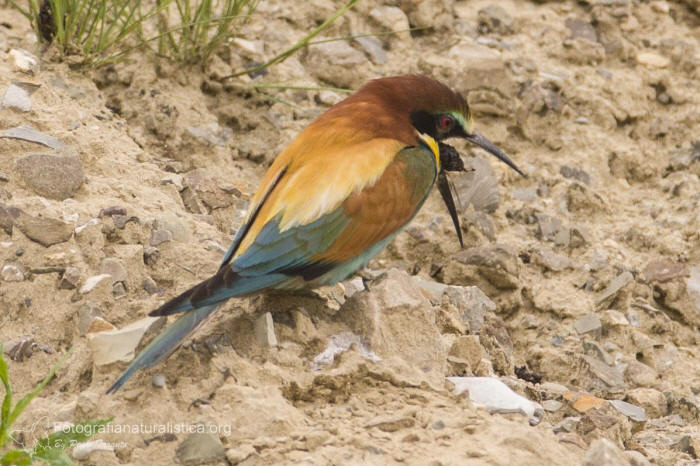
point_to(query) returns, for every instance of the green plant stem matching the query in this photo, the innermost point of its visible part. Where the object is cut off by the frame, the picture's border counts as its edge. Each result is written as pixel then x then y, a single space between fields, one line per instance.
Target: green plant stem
pixel 372 34
pixel 301 88
pixel 6 402
pixel 167 34
pixel 301 43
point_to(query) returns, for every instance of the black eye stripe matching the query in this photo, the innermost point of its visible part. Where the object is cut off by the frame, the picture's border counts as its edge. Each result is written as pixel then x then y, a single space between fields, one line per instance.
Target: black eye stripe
pixel 437 125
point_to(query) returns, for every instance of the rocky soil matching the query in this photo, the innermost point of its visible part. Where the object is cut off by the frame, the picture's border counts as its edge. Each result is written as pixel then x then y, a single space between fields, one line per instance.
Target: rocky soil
pixel 578 288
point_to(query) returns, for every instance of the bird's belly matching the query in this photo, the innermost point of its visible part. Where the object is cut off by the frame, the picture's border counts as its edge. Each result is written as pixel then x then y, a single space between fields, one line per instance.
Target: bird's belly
pixel 347 268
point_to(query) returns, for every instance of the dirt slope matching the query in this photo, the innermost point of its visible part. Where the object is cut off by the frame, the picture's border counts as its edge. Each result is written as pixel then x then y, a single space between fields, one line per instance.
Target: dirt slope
pixel 589 270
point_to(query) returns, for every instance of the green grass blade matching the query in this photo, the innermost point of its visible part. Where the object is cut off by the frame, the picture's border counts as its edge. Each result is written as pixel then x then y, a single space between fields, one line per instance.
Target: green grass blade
pixel 16 457
pixel 26 13
pixel 6 402
pixel 301 43
pixel 373 34
pixel 54 457
pixel 79 29
pixel 300 88
pixel 58 7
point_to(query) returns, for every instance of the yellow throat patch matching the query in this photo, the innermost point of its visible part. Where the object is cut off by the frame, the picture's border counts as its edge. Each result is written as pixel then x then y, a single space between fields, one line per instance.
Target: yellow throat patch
pixel 433 145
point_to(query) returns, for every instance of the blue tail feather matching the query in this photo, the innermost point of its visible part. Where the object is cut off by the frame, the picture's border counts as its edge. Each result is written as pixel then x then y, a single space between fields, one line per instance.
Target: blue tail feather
pixel 165 343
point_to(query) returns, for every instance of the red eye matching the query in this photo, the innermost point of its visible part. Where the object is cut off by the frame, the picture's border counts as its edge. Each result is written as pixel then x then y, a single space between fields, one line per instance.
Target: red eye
pixel 445 122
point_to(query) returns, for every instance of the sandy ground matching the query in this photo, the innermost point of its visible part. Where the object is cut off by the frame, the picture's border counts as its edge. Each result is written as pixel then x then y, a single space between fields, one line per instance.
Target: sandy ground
pixel 592 264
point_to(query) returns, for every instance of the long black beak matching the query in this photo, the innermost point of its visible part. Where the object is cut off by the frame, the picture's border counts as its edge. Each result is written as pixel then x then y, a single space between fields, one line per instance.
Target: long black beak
pixel 443 185
pixel 450 161
pixel 487 145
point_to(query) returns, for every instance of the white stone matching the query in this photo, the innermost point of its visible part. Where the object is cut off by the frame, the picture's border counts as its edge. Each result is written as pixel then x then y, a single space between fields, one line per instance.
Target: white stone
pixel 390 17
pixel 93 281
pixel 24 61
pixel 254 47
pixel 634 412
pixel 433 290
pixel 693 286
pixel 496 396
pixel 83 450
pixel 16 97
pixel 615 318
pixel 71 218
pixel 12 273
pixel 158 381
pixel 92 221
pixel 661 7
pixel 115 268
pixel 27 133
pixel 118 345
pixel 341 343
pixel 652 60
pixel 604 452
pixel 353 286
pixel 265 330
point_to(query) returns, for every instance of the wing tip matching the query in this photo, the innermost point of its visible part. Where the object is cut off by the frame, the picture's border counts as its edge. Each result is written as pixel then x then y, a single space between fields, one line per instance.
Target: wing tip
pixel 180 303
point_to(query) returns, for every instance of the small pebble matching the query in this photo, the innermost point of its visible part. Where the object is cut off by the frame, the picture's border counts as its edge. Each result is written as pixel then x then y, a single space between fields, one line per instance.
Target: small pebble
pixel 70 278
pixel 93 281
pixel 115 268
pixel 556 340
pixel 120 221
pixel 265 330
pixel 525 194
pixel 24 61
pixel 149 285
pixel 652 60
pixel 111 345
pixel 588 324
pixel 86 314
pixel 113 210
pixel 17 98
pixel 12 273
pixel 54 175
pixel 27 133
pixel 200 448
pixel 373 48
pixel 604 452
pixel 119 290
pixel 439 425
pixel 239 454
pixel 161 236
pixel 82 451
pixel 568 424
pixel 150 255
pixel 89 223
pixel 158 381
pixel 552 405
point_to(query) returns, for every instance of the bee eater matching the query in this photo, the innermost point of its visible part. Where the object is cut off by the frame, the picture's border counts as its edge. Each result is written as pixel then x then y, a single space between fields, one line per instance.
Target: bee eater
pixel 334 198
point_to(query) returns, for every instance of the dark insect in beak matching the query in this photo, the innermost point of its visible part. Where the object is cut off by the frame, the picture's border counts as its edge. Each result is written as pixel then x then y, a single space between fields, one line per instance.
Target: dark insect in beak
pixel 449 161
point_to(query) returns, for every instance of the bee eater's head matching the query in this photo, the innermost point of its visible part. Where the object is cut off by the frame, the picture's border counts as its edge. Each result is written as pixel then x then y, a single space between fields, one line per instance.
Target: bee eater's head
pixel 432 109
pixel 447 115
